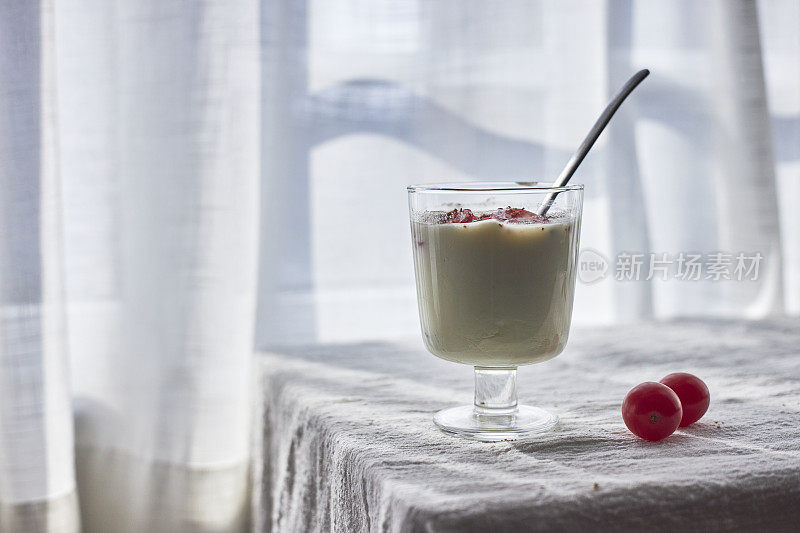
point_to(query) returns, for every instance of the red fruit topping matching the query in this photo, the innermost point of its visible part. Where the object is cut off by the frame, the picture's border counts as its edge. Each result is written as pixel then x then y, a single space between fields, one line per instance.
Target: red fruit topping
pixel 652 411
pixel 508 214
pixel 693 394
pixel 458 216
pixel 514 214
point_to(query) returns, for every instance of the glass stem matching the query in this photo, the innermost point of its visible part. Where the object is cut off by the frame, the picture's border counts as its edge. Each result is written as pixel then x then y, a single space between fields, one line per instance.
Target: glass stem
pixel 495 391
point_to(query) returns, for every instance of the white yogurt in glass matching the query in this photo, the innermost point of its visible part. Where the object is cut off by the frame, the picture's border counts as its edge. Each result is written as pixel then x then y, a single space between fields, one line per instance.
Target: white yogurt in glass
pixel 495 293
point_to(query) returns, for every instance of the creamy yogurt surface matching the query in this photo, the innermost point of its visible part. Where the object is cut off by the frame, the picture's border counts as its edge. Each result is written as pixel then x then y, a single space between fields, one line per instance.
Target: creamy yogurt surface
pixel 494 292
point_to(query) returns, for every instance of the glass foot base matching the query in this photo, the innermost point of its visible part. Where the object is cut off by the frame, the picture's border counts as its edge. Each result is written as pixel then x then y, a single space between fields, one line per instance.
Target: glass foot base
pixel 525 423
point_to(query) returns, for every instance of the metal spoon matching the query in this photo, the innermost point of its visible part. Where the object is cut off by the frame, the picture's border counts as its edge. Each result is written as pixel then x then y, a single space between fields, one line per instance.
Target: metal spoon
pixel 594 133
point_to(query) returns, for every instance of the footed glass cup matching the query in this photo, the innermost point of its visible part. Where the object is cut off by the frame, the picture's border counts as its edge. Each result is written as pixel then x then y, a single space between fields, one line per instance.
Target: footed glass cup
pixel 495 287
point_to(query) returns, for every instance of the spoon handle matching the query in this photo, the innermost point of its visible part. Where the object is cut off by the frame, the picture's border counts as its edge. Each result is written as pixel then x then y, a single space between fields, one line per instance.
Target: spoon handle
pixel 591 137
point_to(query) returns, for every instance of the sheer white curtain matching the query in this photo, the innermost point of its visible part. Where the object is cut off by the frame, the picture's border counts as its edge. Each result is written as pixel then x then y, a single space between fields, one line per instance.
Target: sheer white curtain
pixel 133 136
pixel 158 112
pixel 129 205
pixel 377 95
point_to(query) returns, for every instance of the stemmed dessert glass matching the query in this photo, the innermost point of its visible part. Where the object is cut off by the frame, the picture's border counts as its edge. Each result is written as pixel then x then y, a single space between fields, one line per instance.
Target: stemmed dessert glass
pixel 495 284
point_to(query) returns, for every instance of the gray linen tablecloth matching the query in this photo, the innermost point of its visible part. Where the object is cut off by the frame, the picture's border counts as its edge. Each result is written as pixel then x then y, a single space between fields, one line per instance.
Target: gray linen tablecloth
pixel 347 442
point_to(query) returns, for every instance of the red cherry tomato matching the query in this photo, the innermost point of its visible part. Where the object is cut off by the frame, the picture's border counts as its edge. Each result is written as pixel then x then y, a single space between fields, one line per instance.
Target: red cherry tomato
pixel 693 394
pixel 652 411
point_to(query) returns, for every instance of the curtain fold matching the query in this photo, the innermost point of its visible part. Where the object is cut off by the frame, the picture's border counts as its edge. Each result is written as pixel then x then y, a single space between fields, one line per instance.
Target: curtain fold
pixel 746 199
pixel 37 482
pixel 161 176
pixel 182 180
